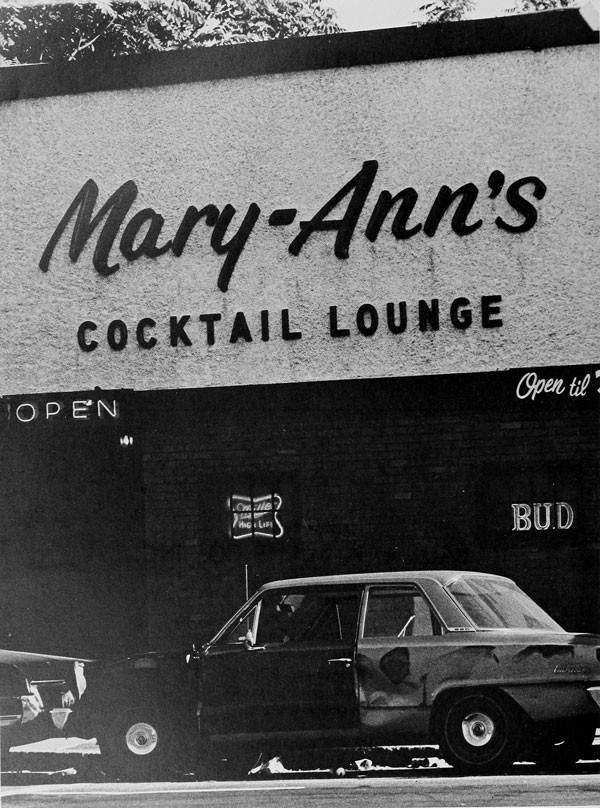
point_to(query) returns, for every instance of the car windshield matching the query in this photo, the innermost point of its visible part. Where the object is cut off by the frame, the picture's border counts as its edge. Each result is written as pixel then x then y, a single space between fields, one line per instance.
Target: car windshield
pixel 493 603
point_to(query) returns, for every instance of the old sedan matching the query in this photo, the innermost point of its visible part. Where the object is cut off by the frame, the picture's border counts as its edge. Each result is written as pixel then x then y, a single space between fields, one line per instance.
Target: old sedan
pixel 460 659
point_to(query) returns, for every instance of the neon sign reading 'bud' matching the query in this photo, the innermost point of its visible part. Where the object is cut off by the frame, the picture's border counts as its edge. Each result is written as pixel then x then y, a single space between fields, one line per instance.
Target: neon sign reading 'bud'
pixel 542 516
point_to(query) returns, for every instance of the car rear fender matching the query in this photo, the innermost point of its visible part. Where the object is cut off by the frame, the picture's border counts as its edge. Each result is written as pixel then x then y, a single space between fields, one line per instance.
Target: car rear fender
pixel 553 702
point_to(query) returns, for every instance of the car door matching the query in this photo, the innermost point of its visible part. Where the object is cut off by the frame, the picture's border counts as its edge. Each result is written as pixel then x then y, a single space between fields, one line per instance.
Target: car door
pixel 285 667
pixel 400 636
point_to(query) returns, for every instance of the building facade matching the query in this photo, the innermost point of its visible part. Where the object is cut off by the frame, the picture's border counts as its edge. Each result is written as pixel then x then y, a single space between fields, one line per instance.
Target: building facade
pixel 299 307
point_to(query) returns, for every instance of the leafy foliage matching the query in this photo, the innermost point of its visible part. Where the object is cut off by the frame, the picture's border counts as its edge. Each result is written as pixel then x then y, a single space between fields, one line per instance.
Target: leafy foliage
pixel 543 5
pixel 446 10
pixel 90 28
pixel 80 30
pixel 455 10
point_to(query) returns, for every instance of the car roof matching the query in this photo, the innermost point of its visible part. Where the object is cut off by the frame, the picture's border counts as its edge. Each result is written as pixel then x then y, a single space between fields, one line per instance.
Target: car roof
pixel 8 657
pixel 442 577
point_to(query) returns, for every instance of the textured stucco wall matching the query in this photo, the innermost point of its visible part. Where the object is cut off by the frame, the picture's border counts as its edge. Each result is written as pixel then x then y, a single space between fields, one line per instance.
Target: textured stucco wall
pixel 292 141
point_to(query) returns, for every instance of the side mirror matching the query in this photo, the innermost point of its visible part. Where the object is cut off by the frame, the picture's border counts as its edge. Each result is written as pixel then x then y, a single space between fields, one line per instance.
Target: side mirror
pixel 249 640
pixel 194 658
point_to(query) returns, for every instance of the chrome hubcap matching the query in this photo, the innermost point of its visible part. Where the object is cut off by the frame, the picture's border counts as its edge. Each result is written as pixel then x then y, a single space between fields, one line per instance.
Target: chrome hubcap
pixel 141 738
pixel 477 729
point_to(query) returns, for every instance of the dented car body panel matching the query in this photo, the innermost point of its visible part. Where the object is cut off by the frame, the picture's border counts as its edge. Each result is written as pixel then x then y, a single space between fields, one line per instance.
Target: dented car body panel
pixel 544 679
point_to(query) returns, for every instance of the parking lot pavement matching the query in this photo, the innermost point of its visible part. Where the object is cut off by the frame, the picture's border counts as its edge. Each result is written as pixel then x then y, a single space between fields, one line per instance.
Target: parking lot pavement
pixel 77 760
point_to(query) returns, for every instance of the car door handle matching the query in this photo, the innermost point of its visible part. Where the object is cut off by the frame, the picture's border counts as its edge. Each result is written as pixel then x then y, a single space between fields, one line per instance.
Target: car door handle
pixel 347 661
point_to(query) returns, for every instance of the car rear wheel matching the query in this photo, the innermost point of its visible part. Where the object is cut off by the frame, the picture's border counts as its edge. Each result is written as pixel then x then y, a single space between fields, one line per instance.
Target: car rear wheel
pixel 478 732
pixel 137 746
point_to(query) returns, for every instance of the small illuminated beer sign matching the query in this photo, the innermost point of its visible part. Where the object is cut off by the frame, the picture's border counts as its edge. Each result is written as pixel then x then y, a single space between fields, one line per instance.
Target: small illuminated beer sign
pixel 255 516
pixel 542 516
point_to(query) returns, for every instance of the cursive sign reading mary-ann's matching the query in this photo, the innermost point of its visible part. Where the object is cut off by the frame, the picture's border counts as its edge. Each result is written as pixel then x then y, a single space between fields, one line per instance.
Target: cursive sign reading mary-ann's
pixel 142 232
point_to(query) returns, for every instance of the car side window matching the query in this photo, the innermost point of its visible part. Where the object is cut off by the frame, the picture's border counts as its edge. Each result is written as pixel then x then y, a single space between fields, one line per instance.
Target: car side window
pixel 399 612
pixel 326 616
pixel 242 630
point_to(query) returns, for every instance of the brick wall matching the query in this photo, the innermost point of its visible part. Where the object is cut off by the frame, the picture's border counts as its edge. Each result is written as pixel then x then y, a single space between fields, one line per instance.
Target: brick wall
pixel 71 536
pixel 108 548
pixel 376 475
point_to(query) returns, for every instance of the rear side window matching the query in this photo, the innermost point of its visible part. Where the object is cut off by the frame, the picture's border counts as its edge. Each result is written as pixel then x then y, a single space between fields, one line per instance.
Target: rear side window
pixel 399 612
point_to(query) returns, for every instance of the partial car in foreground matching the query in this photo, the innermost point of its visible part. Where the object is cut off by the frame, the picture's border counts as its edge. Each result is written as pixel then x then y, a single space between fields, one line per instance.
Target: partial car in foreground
pixel 37 694
pixel 464 660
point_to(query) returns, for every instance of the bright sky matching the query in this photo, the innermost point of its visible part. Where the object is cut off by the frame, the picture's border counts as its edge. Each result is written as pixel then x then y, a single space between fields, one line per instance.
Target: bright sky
pixel 362 15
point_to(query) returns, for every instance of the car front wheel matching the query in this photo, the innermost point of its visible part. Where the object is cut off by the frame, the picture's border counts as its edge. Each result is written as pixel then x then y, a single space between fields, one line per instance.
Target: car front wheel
pixel 478 733
pixel 137 746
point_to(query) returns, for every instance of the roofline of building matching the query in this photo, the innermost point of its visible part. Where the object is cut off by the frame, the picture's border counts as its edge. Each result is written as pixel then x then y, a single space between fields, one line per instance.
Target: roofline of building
pixel 533 32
